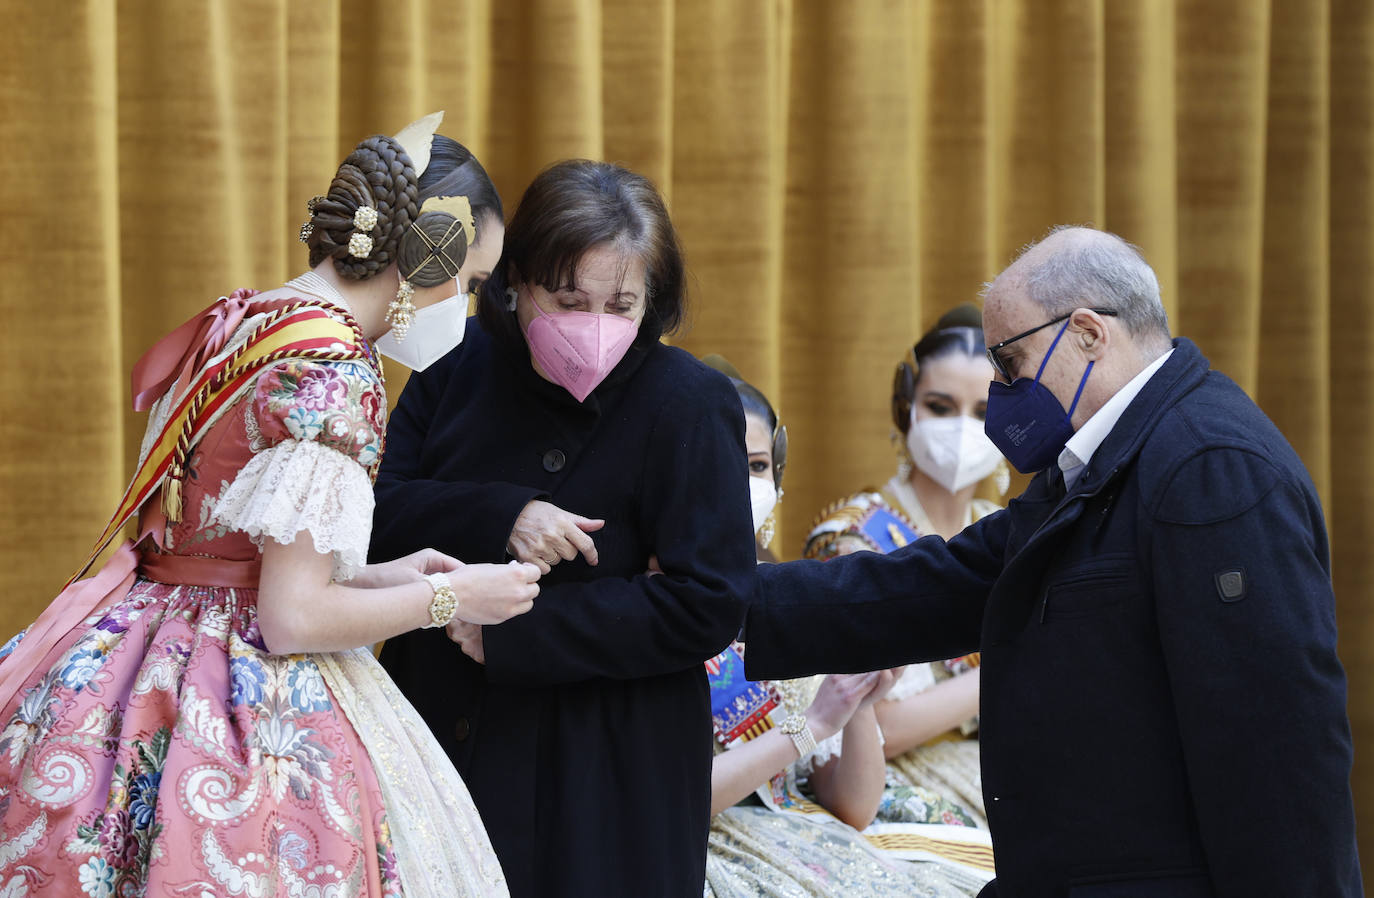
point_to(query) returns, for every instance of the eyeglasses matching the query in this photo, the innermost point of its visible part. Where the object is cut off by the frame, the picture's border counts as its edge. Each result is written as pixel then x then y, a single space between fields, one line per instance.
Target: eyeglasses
pixel 1001 367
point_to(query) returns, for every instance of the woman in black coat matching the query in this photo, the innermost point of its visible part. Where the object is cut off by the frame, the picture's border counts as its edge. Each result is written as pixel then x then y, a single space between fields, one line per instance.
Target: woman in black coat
pixel 563 433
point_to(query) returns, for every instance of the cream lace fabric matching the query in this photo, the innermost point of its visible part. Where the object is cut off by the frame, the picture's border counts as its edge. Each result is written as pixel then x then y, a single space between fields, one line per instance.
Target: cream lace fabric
pixel 301 485
pixel 830 747
pixel 442 849
pixel 915 679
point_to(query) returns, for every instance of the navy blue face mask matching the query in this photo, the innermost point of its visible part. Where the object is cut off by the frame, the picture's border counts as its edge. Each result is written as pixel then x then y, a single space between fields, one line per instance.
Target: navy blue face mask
pixel 1026 422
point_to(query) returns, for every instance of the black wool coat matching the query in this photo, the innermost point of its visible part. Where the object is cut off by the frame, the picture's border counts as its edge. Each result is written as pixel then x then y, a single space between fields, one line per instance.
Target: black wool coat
pixel 586 738
pixel 1163 712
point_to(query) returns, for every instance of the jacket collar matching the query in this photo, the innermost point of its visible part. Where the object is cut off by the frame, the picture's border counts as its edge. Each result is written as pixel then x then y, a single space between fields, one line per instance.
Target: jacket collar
pixel 1184 370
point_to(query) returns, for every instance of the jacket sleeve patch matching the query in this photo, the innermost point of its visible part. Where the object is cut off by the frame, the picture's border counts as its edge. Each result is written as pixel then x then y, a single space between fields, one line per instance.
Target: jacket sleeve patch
pixel 1231 585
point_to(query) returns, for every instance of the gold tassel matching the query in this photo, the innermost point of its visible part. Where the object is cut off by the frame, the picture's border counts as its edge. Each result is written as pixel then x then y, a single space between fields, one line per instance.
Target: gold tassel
pixel 171 497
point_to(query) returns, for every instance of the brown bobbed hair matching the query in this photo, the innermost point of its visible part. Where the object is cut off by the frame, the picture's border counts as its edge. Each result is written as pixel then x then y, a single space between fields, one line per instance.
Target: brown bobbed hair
pixel 958 330
pixel 379 173
pixel 569 208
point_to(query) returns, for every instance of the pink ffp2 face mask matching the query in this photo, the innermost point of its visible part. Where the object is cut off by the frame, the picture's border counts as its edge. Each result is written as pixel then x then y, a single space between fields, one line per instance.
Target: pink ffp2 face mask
pixel 578 349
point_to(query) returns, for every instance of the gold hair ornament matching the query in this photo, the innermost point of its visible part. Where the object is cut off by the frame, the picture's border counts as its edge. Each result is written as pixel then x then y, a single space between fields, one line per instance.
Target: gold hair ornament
pixel 770 523
pixel 309 227
pixel 400 313
pixel 417 139
pixel 457 206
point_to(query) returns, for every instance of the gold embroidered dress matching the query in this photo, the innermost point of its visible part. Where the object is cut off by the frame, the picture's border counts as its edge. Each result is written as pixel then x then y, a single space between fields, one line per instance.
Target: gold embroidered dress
pixel 780 842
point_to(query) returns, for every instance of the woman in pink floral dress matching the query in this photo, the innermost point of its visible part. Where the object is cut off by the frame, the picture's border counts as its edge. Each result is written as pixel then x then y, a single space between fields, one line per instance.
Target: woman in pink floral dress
pixel 212 723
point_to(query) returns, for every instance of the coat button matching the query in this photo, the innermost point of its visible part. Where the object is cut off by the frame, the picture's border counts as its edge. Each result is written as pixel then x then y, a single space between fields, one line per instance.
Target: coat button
pixel 554 460
pixel 461 729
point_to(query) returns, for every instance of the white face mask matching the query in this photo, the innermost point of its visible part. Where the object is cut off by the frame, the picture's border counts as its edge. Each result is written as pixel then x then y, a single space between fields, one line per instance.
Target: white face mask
pixel 954 452
pixel 436 330
pixel 762 497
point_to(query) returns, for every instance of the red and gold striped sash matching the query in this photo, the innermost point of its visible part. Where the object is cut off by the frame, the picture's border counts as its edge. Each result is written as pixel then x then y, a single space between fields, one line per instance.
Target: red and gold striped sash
pixel 291 330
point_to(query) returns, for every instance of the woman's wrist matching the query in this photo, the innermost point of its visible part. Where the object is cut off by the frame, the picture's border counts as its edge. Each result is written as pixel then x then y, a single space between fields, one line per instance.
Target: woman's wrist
pixel 443 602
pixel 822 729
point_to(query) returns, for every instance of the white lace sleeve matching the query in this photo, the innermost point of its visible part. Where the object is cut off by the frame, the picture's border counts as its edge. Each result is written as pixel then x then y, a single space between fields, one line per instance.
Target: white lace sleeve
pixel 302 485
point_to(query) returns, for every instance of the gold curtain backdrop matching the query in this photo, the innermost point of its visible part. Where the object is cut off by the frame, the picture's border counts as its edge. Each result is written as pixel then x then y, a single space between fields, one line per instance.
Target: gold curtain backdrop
pixel 841 173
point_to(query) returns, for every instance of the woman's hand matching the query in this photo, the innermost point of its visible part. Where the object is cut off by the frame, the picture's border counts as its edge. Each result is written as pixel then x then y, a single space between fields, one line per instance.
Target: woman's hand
pixel 492 593
pixel 836 701
pixel 469 639
pixel 882 685
pixel 545 534
pixel 407 569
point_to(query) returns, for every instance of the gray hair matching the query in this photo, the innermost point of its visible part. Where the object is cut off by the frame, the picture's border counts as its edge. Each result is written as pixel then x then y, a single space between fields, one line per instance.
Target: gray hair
pixel 1092 268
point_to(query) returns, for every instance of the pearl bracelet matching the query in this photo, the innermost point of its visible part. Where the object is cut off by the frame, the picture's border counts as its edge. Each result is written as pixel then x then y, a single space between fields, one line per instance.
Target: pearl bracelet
pixel 796 728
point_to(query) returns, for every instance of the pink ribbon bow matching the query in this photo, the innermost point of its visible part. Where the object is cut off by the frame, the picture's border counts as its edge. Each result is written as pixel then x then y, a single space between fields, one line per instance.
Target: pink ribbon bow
pixel 187 348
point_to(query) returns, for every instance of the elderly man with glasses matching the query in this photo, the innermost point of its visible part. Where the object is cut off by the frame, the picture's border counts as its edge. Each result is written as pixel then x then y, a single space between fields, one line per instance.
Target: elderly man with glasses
pixel 1163 711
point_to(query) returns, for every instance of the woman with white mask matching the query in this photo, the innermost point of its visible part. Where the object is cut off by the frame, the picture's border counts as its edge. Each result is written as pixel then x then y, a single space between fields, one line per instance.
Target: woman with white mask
pixel 929 719
pixel 205 713
pixel 799 766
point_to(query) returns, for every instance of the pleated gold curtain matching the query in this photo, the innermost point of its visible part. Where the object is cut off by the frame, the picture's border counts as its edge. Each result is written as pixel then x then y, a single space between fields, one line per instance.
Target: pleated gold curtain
pixel 841 173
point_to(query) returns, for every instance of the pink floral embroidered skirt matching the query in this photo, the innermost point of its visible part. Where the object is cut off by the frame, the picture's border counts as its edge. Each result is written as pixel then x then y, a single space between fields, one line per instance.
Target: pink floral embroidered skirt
pixel 161 751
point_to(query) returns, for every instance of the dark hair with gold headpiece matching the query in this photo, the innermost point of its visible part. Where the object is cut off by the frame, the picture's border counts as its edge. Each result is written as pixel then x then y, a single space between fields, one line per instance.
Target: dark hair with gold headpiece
pixel 959 329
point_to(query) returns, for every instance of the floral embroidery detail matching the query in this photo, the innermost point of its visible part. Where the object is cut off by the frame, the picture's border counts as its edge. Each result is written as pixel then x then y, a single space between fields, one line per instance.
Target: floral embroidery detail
pixel 88 655
pixel 81 666
pixel 386 861
pixel 123 838
pixel 117 839
pixel 98 878
pixel 304 423
pixel 903 803
pixel 248 679
pixel 292 757
pixel 340 404
pixel 320 388
pixel 308 692
pixel 291 848
pixel 143 799
pixel 34 717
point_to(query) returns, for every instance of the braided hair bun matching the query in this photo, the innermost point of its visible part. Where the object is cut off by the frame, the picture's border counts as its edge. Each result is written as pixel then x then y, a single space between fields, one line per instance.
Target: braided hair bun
pixel 379 174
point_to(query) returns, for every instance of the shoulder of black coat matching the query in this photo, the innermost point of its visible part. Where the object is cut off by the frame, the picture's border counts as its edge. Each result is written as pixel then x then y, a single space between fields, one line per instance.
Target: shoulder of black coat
pixel 679 377
pixel 1214 455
